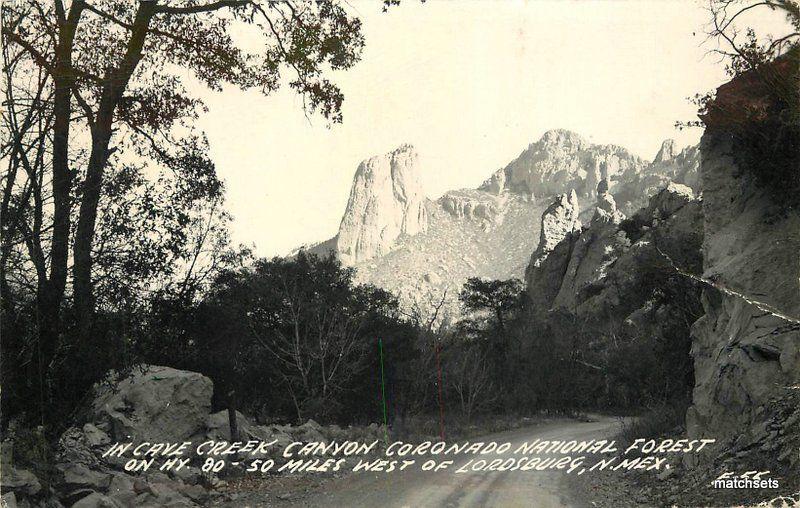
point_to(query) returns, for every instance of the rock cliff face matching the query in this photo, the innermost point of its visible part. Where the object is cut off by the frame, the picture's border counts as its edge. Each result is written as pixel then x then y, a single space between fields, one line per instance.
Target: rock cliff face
pixel 419 248
pixel 558 220
pixel 562 161
pixel 560 226
pixel 593 272
pixel 744 351
pixel 746 348
pixel 668 166
pixel 386 201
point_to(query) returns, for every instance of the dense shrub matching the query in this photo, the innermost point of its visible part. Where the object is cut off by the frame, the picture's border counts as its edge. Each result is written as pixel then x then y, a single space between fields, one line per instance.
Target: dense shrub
pixel 287 339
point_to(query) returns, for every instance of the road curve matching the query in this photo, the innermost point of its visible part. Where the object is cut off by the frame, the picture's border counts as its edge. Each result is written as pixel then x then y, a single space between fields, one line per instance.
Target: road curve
pixel 414 488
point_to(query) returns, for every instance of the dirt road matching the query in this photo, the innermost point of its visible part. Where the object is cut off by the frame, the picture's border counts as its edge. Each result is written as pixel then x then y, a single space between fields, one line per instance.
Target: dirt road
pixel 415 488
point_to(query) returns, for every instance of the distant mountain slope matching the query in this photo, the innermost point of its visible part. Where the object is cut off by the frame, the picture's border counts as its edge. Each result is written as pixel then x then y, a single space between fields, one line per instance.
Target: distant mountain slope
pixel 419 248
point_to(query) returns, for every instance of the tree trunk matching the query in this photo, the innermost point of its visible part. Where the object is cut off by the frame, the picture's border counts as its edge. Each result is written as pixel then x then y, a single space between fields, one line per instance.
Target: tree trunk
pixel 51 291
pixel 84 232
pixel 115 84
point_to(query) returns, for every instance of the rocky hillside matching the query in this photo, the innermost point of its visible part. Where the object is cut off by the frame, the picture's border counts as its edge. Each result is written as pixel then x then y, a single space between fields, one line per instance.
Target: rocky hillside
pixel 421 248
pixel 747 346
pixel 598 270
pixel 152 404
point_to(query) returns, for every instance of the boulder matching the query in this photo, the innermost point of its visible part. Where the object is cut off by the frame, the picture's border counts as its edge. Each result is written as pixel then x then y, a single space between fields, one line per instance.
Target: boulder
pixel 218 429
pixel 97 500
pixel 20 481
pixel 95 438
pixel 277 432
pixel 308 432
pixel 121 488
pixel 164 497
pixel 153 403
pixel 667 202
pixel 78 476
pixel 165 492
pixel 8 500
pixel 73 448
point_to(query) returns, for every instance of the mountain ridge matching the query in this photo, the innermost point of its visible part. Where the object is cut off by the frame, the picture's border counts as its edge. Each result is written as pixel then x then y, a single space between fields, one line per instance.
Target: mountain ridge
pixel 420 248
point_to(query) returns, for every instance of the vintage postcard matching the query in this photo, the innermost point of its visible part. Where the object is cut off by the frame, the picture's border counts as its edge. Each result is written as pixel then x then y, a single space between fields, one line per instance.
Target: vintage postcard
pixel 400 253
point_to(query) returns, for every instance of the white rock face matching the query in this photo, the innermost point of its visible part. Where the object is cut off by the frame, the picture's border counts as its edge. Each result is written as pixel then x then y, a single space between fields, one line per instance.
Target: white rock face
pixel 559 227
pixel 386 201
pixel 562 161
pixel 558 220
pixel 667 151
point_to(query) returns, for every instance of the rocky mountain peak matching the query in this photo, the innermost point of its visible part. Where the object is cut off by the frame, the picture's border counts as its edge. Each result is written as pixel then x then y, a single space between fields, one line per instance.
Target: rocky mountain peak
pixel 418 248
pixel 667 152
pixel 386 201
pixel 562 161
pixel 563 139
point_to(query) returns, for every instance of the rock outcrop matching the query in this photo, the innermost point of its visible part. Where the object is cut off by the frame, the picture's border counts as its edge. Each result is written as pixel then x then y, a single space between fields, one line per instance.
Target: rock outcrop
pixel 562 161
pixel 668 166
pixel 161 403
pixel 666 152
pixel 471 205
pixel 420 249
pixel 593 272
pixel 386 201
pixel 747 346
pixel 150 405
pixel 560 219
pixel 592 253
pixel 559 227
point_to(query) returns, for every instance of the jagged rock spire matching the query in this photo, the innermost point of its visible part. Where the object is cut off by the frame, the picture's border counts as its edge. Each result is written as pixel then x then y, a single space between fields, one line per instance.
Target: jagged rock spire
pixel 386 201
pixel 667 151
pixel 558 220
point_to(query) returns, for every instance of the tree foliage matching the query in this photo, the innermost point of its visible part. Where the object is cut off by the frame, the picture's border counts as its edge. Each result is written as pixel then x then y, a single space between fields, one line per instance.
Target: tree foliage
pixel 297 336
pixel 497 297
pixel 760 107
pixel 109 193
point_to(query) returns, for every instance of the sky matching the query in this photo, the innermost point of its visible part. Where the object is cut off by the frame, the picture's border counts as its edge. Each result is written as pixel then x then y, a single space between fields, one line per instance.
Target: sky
pixel 470 84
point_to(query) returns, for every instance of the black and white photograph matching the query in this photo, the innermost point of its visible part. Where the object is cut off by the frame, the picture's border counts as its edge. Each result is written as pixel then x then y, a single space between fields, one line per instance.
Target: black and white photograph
pixel 400 253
